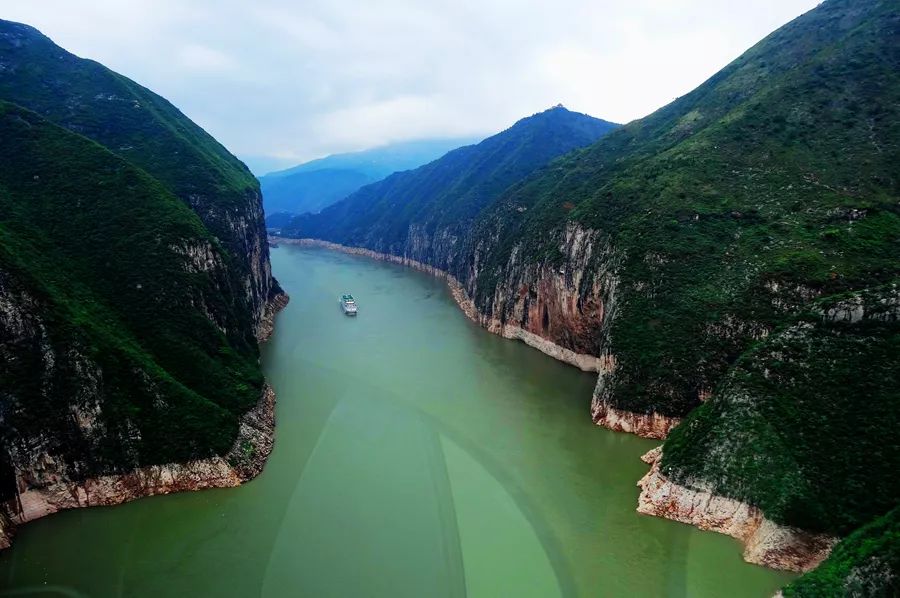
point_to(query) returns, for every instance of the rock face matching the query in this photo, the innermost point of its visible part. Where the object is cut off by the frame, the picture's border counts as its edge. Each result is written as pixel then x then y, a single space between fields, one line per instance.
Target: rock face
pixel 765 542
pixel 37 497
pixel 645 425
pixel 266 326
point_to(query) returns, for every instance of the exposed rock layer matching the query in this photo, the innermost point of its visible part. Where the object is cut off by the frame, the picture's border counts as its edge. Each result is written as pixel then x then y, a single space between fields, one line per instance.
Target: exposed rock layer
pixel 645 425
pixel 765 542
pixel 266 325
pixel 245 461
pixel 38 495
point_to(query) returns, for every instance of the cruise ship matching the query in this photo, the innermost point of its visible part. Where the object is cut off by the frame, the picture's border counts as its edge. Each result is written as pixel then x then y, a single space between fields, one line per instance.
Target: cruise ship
pixel 348 305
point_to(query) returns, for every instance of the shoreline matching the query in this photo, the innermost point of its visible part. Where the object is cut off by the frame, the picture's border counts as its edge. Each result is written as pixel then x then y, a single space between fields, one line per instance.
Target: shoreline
pixel 583 361
pixel 644 425
pixel 256 429
pixel 765 542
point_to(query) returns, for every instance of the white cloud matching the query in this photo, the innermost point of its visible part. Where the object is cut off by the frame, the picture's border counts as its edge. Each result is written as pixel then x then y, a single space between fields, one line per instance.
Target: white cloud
pixel 297 80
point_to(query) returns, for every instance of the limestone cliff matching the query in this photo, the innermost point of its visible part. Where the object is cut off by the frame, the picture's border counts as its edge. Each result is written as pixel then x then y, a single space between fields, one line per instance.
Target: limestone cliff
pixel 765 542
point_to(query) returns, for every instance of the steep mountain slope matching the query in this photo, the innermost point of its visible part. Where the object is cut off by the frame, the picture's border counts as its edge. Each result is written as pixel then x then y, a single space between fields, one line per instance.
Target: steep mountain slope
pixel 313 185
pixel 407 209
pixel 145 129
pixel 772 183
pixel 134 284
pixel 704 255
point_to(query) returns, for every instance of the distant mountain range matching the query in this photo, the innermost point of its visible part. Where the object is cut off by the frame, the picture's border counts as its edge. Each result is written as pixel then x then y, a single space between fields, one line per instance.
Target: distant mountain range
pixel 452 190
pixel 314 185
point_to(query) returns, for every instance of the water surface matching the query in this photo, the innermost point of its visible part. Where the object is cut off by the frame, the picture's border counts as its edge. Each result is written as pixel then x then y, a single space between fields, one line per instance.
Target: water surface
pixel 416 455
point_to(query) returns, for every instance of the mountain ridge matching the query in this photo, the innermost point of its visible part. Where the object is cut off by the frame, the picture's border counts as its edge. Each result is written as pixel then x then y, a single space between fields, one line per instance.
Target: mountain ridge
pixel 316 184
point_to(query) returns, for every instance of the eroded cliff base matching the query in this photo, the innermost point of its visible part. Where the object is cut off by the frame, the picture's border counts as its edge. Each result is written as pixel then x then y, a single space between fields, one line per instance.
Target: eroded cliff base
pixel 266 326
pixel 243 462
pixel 765 542
pixel 645 425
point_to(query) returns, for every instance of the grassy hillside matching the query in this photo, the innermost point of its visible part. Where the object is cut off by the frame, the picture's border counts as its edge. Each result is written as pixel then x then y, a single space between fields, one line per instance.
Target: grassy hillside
pixel 452 190
pixel 804 425
pixel 149 132
pixel 133 273
pixel 130 120
pixel 106 314
pixel 864 564
pixel 772 186
pixel 773 183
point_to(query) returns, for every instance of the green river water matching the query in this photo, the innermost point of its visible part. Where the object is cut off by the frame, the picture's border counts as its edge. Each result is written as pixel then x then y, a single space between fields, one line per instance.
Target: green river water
pixel 416 455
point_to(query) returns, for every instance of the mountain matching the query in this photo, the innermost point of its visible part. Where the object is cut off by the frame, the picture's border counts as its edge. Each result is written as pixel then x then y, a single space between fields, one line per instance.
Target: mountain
pixel 313 185
pixel 729 264
pixel 449 192
pixel 134 284
pixel 310 191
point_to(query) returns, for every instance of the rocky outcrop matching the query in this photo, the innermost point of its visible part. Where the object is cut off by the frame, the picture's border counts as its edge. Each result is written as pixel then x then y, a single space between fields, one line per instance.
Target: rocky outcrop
pixel 244 461
pixel 645 425
pixel 765 542
pixel 7 530
pixel 266 325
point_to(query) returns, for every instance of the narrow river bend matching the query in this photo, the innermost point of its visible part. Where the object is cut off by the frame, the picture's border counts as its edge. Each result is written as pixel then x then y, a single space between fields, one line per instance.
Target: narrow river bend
pixel 416 455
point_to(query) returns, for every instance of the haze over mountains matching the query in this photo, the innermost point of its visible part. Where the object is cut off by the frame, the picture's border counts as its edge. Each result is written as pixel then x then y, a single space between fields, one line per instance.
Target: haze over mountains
pixel 314 185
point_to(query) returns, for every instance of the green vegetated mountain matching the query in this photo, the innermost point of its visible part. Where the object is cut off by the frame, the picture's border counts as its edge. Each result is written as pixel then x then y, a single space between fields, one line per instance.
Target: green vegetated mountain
pixel 314 185
pixel 735 254
pixel 453 190
pixel 864 564
pixel 134 274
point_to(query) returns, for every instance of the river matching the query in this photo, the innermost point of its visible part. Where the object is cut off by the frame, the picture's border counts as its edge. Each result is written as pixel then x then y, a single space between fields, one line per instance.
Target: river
pixel 416 455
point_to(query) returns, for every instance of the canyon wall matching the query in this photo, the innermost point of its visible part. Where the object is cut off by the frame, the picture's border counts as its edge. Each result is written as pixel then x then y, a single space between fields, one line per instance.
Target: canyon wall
pixel 563 310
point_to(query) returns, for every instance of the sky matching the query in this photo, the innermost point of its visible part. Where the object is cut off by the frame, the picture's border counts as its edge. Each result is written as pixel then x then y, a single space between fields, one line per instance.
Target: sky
pixel 280 82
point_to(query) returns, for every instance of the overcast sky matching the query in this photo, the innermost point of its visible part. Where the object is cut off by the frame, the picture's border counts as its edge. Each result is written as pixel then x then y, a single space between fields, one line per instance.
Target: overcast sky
pixel 280 81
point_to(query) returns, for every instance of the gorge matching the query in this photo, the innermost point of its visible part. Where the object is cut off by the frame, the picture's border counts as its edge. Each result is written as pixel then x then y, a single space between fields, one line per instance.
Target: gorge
pixel 416 454
pixel 722 275
pixel 730 259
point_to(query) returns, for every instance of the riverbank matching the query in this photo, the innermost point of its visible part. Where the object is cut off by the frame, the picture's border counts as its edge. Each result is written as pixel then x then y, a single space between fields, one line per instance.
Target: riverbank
pixel 646 425
pixel 243 462
pixel 585 362
pixel 766 543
